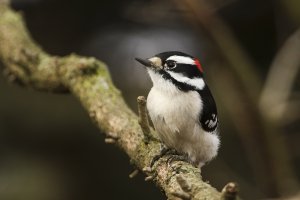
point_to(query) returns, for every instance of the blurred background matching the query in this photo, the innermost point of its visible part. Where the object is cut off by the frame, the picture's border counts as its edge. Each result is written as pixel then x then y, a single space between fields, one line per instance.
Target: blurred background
pixel 250 51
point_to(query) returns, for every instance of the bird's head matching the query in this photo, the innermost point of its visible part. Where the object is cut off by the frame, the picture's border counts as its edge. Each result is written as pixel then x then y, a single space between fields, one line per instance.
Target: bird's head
pixel 181 69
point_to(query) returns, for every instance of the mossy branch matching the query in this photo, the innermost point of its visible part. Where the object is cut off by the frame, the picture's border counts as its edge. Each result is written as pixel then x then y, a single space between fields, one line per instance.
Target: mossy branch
pixel 89 80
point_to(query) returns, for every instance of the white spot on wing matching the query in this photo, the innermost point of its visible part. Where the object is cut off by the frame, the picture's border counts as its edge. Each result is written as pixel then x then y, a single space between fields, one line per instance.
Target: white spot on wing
pixel 213 122
pixel 182 60
pixel 196 82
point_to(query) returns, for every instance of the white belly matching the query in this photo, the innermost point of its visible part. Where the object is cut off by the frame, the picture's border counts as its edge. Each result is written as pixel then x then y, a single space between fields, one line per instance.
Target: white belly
pixel 175 117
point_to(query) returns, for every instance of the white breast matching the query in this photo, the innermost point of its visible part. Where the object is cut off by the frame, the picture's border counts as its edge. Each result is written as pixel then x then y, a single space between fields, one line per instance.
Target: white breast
pixel 179 111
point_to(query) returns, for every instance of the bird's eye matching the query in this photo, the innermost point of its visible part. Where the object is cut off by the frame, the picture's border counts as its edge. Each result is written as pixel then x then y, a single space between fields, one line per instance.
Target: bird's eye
pixel 171 64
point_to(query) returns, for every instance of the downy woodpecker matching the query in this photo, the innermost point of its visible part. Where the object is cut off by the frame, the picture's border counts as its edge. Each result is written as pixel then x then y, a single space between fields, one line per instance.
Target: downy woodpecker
pixel 181 106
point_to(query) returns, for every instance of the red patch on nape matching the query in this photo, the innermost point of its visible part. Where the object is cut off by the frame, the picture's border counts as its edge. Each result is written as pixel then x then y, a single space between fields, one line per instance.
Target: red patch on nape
pixel 197 63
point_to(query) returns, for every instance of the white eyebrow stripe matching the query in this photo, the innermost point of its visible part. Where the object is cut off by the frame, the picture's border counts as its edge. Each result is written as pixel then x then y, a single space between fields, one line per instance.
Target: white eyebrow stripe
pixel 196 82
pixel 182 60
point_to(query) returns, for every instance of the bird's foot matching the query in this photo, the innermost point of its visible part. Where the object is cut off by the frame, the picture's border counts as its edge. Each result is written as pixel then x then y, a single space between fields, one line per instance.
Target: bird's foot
pixel 164 151
pixel 173 156
pixel 178 157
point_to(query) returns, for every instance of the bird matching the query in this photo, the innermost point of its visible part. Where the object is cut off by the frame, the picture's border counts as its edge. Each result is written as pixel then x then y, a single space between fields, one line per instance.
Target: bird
pixel 181 106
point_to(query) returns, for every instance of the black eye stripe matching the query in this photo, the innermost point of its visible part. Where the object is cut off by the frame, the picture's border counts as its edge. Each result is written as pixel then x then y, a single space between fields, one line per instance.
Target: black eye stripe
pixel 187 70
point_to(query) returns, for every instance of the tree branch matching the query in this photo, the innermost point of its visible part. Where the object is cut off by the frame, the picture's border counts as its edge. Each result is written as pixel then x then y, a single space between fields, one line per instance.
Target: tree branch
pixel 89 80
pixel 279 84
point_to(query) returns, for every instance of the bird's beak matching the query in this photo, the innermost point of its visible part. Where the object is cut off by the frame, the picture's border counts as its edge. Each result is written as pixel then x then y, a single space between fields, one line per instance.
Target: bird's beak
pixel 145 62
pixel 154 63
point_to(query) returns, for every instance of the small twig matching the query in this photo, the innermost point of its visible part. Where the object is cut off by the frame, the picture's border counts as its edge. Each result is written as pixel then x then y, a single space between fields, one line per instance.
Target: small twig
pixel 281 77
pixel 110 140
pixel 147 169
pixel 149 178
pixel 113 135
pixel 143 117
pixel 134 173
pixel 230 192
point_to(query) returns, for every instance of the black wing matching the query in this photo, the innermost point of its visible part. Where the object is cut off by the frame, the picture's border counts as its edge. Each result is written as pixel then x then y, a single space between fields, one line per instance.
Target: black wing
pixel 208 117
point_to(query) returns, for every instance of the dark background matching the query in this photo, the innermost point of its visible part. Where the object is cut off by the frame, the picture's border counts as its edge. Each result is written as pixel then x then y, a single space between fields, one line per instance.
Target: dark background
pixel 49 149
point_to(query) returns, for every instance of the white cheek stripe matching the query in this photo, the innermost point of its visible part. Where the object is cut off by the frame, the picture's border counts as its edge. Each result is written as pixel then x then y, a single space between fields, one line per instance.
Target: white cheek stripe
pixel 182 60
pixel 196 82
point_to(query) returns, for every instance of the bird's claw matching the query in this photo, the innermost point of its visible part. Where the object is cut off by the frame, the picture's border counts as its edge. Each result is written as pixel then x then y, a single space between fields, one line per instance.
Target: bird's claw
pixel 173 156
pixel 177 157
pixel 163 151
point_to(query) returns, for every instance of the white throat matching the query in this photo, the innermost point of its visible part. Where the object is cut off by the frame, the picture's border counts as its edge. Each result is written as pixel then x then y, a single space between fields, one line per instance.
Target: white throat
pixel 162 84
